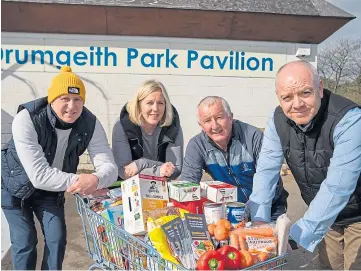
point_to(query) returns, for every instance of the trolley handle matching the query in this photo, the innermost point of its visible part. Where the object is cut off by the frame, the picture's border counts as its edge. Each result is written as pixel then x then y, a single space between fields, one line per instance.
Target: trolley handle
pixel 87 199
pixel 84 199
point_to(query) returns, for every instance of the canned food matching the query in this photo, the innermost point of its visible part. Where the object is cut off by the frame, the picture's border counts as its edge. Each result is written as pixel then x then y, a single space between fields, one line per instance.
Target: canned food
pixel 213 212
pixel 236 213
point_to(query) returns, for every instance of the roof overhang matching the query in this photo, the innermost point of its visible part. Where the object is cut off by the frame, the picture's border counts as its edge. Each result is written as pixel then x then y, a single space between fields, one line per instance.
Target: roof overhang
pixel 163 22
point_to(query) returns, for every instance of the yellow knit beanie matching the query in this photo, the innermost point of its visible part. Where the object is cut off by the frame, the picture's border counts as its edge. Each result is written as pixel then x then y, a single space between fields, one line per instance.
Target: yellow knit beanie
pixel 65 83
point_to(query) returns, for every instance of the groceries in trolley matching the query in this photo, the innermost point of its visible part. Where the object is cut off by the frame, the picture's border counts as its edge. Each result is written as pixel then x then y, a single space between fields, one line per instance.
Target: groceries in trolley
pixel 178 236
pixel 189 241
pixel 183 191
pixel 111 209
pixel 191 226
pixel 186 195
pixel 218 192
pixel 142 194
pixel 245 245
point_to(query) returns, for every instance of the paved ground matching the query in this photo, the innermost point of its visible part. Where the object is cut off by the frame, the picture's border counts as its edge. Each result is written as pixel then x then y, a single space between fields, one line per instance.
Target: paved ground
pixel 299 259
pixel 77 258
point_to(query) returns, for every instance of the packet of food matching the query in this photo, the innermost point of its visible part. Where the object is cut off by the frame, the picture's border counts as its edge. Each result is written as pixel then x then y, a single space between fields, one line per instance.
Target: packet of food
pixel 283 226
pixel 260 241
pixel 159 239
pixel 182 212
pixel 173 237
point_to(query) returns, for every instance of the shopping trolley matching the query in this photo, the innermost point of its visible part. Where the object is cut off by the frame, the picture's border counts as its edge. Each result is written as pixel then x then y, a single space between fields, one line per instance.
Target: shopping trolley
pixel 112 248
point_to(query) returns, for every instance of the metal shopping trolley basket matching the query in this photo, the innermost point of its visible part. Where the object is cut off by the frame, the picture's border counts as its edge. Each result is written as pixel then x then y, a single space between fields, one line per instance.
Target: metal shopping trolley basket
pixel 112 248
pixel 271 264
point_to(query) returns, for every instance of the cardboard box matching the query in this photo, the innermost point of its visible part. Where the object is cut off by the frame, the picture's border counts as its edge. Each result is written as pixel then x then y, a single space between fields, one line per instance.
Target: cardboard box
pixel 115 193
pixel 114 214
pixel 194 207
pixel 183 191
pixel 142 193
pixel 218 192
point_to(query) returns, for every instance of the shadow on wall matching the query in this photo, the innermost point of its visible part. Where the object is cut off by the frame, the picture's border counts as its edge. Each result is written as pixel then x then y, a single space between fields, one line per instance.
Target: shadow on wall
pixel 105 97
pixel 10 72
pixel 13 68
pixel 6 121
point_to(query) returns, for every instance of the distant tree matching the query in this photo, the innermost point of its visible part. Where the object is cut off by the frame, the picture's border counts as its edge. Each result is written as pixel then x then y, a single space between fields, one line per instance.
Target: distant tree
pixel 356 69
pixel 339 64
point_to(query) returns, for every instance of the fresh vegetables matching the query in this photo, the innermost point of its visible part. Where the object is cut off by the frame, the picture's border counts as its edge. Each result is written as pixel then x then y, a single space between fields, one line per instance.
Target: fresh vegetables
pixel 225 258
pixel 220 230
pixel 233 240
pixel 262 256
pixel 211 228
pixel 257 244
pixel 221 233
pixel 241 224
pixel 246 259
pixel 224 223
pixel 232 257
pixel 211 260
pixel 247 245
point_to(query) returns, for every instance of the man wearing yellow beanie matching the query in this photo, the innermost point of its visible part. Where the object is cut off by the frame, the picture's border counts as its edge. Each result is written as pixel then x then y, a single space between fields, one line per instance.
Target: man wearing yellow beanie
pixel 71 89
pixel 66 83
pixel 40 162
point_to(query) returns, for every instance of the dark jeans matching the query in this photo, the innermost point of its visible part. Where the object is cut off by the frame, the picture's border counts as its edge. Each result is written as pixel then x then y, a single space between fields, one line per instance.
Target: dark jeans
pixel 48 207
pixel 279 207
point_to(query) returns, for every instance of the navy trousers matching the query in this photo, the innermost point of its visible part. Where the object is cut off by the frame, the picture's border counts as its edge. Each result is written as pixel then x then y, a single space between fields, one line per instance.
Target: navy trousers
pixel 48 208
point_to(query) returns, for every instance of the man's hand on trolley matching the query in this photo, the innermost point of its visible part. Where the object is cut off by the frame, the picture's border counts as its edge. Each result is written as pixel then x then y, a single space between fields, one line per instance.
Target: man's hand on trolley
pixel 85 185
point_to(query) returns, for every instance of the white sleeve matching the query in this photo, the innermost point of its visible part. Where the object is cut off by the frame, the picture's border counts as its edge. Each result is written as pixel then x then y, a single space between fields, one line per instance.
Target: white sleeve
pixel 102 157
pixel 32 157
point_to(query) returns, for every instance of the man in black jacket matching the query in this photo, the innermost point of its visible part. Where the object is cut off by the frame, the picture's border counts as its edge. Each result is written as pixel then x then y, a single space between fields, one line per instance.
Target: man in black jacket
pixel 318 133
pixel 40 163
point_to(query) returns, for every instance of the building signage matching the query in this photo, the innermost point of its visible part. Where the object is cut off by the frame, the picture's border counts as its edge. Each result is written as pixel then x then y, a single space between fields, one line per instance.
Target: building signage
pixel 97 59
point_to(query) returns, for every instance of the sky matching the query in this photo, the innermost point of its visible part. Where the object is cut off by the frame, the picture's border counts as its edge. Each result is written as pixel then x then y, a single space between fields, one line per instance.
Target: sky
pixel 351 29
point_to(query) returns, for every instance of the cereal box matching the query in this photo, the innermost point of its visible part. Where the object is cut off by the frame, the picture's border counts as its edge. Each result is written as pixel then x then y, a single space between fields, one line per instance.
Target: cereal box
pixel 142 193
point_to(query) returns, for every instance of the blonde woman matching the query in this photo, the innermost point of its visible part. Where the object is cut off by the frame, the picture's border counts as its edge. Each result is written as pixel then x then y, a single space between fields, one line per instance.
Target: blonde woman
pixel 148 138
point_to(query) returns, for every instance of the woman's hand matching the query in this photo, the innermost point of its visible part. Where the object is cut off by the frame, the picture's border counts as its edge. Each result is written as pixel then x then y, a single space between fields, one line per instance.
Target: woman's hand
pixel 167 169
pixel 130 170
